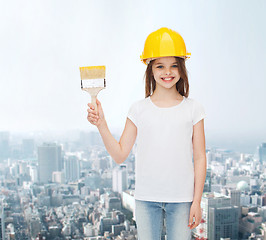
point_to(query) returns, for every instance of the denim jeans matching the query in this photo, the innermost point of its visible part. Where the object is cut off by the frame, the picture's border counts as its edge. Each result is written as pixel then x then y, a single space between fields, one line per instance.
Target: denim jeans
pixel 149 220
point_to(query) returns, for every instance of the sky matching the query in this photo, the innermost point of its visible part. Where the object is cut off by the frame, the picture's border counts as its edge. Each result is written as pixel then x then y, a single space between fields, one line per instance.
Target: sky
pixel 43 44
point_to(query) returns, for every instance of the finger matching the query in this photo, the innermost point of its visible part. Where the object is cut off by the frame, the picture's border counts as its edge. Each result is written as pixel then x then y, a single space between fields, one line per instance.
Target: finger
pixel 92 119
pixel 89 119
pixel 93 122
pixel 194 225
pixel 93 115
pixel 91 106
pixel 92 112
pixel 190 219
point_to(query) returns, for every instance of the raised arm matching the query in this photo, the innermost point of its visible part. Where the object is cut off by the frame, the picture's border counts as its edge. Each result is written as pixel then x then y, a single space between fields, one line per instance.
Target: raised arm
pixel 119 151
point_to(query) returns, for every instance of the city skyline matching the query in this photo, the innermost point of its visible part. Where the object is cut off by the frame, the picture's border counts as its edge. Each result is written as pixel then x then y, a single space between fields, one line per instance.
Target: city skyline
pixel 96 199
pixel 241 145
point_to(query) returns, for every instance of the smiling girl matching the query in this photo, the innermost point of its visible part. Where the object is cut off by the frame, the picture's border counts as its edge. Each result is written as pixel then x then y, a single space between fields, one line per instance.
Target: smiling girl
pixel 168 128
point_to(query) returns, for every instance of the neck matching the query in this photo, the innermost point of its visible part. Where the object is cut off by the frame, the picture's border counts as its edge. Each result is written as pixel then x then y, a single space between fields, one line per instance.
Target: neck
pixel 164 94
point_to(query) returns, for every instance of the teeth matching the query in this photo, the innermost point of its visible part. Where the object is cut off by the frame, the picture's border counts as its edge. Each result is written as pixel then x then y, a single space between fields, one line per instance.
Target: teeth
pixel 167 79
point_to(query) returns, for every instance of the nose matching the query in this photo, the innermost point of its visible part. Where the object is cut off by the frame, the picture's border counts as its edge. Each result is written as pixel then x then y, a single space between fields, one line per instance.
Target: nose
pixel 167 71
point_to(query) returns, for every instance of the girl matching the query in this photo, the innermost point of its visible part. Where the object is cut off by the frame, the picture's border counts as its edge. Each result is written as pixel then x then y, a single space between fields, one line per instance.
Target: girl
pixel 168 126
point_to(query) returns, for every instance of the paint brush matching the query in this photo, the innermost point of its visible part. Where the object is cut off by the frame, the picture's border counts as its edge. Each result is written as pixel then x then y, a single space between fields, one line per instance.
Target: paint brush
pixel 93 81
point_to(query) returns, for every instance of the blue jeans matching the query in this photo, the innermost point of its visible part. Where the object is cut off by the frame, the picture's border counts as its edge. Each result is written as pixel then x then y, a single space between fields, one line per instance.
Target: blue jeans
pixel 149 220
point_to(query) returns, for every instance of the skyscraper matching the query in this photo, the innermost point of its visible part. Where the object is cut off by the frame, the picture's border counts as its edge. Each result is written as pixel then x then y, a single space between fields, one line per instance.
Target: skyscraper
pixel 234 194
pixel 262 153
pixel 50 160
pixel 223 222
pixel 2 220
pixel 207 184
pixel 4 145
pixel 33 173
pixel 72 169
pixel 120 178
pixel 219 217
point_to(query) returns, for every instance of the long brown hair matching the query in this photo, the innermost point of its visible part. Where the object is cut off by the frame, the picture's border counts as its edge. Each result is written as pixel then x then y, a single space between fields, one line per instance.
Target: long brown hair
pixel 182 86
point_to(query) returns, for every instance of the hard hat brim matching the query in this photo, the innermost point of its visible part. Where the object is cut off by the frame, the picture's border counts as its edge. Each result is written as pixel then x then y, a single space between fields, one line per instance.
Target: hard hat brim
pixel 148 60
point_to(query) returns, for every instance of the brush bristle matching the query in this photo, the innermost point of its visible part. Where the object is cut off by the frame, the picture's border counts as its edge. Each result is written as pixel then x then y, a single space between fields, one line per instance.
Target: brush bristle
pixel 92 72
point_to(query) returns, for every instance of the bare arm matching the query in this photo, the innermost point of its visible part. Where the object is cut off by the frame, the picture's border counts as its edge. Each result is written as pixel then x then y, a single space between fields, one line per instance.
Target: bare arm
pixel 199 156
pixel 119 151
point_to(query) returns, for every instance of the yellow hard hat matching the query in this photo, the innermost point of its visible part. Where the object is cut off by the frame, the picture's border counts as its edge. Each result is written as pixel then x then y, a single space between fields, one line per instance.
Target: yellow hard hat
pixel 164 42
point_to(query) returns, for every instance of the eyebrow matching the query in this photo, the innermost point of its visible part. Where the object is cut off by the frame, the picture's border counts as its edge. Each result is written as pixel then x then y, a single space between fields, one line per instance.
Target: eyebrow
pixel 162 63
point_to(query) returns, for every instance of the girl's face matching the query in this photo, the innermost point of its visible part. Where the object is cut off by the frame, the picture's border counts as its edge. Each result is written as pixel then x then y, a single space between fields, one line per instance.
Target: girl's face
pixel 165 71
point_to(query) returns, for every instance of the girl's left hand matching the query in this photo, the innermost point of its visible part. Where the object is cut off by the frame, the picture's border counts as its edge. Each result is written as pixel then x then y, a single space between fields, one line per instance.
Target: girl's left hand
pixel 195 211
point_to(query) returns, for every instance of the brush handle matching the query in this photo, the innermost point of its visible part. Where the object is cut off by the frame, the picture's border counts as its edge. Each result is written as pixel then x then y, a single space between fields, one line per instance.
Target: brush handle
pixel 93 91
pixel 93 101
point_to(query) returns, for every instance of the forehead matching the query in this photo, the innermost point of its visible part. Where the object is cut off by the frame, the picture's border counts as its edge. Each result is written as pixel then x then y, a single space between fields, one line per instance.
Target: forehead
pixel 165 60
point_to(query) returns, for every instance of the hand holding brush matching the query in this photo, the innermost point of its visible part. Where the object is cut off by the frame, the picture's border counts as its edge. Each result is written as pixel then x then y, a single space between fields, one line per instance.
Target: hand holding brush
pixel 96 117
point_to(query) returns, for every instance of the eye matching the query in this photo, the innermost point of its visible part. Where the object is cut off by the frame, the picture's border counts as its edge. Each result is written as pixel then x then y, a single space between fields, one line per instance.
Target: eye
pixel 160 66
pixel 175 66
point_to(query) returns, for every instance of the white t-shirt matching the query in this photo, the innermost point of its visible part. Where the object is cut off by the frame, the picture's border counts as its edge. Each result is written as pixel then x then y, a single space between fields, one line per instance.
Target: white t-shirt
pixel 164 168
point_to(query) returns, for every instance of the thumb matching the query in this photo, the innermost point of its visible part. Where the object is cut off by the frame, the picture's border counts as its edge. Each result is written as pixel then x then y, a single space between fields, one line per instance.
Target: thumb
pixel 99 106
pixel 98 102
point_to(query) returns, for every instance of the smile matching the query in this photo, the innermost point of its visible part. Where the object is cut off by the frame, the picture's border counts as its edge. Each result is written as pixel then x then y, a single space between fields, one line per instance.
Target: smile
pixel 169 79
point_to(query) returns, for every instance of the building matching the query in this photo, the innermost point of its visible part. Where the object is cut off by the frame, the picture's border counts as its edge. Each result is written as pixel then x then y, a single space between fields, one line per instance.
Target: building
pixel 2 221
pixel 207 184
pixel 35 226
pixel 4 145
pixel 262 152
pixel 33 173
pixel 93 180
pixel 216 205
pixel 72 168
pixel 58 177
pixel 113 203
pixel 234 194
pixel 223 222
pixel 50 160
pixel 120 178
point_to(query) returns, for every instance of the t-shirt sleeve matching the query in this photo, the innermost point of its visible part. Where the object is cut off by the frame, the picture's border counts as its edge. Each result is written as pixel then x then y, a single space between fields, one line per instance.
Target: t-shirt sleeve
pixel 198 112
pixel 132 113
